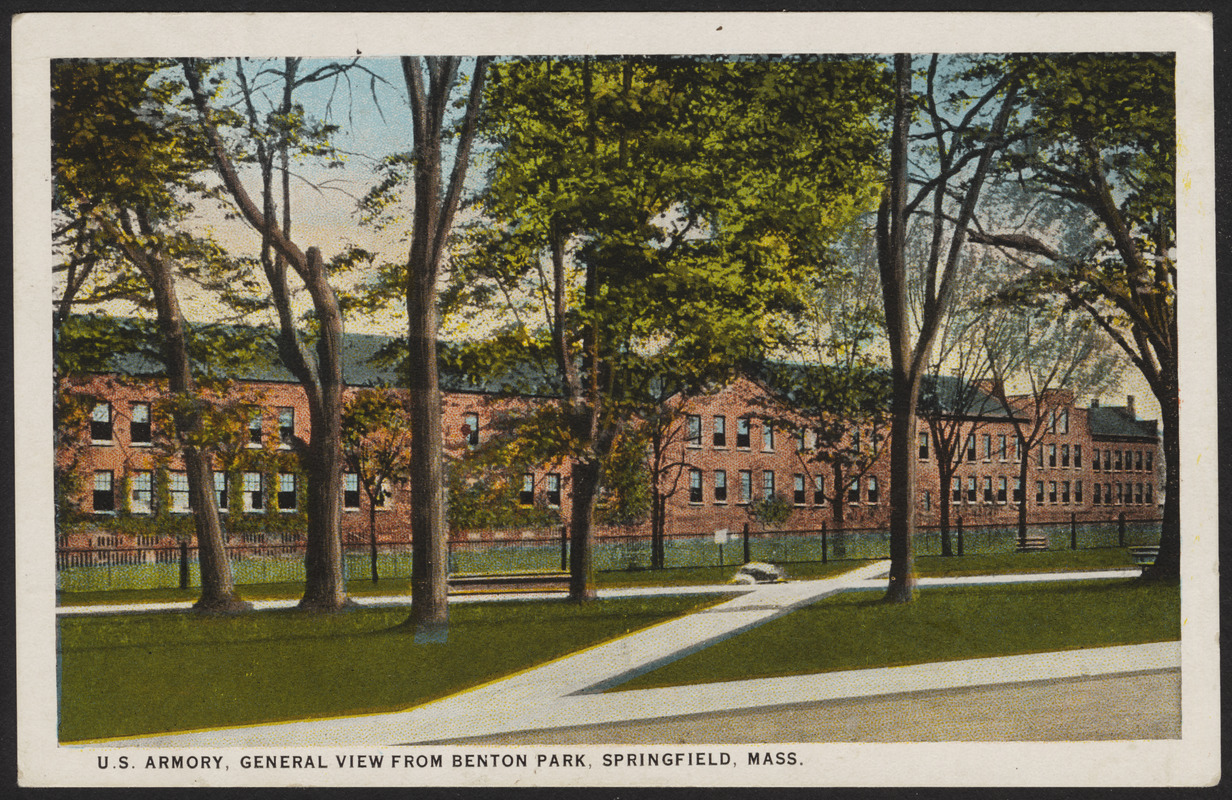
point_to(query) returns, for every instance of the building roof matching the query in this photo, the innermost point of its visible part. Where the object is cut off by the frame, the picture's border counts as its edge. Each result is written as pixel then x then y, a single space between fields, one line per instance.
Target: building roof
pixel 954 397
pixel 1118 421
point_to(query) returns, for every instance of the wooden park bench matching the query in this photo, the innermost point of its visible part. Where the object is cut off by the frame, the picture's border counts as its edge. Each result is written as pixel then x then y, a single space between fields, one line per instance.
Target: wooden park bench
pixel 1033 541
pixel 499 582
pixel 1145 555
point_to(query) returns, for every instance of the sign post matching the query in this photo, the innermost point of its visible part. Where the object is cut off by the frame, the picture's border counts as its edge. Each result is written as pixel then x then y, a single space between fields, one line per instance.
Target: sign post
pixel 720 538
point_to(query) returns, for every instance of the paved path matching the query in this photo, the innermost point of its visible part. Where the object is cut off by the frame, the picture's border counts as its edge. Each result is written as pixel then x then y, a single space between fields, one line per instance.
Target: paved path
pixel 567 692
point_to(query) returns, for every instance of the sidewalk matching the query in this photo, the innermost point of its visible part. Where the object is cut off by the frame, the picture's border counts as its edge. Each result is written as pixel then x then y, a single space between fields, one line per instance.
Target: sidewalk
pixel 568 692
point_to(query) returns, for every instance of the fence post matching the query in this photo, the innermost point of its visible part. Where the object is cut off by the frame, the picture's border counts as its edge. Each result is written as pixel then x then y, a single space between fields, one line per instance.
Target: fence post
pixel 823 542
pixel 960 535
pixel 746 543
pixel 1121 529
pixel 1073 531
pixel 183 563
pixel 564 548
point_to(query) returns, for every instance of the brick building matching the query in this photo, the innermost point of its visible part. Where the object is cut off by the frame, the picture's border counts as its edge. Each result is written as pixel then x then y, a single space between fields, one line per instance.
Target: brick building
pixel 1095 462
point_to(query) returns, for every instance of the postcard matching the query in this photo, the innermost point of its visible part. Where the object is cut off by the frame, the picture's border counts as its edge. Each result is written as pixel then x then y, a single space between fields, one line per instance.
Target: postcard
pixel 674 399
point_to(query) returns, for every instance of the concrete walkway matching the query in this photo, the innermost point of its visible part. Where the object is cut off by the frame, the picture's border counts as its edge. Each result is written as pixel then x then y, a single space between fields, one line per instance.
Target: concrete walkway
pixel 568 692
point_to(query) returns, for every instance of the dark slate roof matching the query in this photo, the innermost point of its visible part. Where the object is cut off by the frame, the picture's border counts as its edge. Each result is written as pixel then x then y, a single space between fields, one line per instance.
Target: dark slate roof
pixel 954 398
pixel 1116 421
pixel 367 360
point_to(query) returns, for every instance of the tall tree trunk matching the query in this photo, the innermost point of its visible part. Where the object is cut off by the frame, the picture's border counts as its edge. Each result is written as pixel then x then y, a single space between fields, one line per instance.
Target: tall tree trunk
pixel 585 476
pixel 1022 505
pixel 1167 566
pixel 429 546
pixel 946 476
pixel 902 490
pixel 372 538
pixel 217 582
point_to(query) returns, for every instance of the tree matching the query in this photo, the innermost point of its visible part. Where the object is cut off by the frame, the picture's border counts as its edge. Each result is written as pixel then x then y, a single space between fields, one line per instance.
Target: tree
pixel 1056 358
pixel 430 83
pixel 276 137
pixel 120 156
pixel 958 158
pixel 1101 141
pixel 664 211
pixel 376 438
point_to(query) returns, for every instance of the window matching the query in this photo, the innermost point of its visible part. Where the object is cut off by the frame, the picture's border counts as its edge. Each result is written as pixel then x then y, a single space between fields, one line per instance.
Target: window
pixel 1138 494
pixel 286 491
pixel 1120 493
pixel 855 438
pixel 1017 449
pixel 527 496
pixel 874 493
pixel 1065 455
pixel 253 486
pixel 720 431
pixel 1052 491
pixel 1138 460
pixel 853 491
pixel 972 492
pixel 1002 486
pixel 1017 490
pixel 971 447
pixel 139 432
pixel 350 490
pixel 1001 449
pixel 1095 498
pixel 254 429
pixel 693 430
pixel 799 440
pixel 1107 494
pixel 383 493
pixel 1077 456
pixel 767 436
pixel 720 486
pixel 180 500
pixel 100 424
pixel 1063 421
pixel 1095 459
pixel 553 480
pixel 819 490
pixel 988 447
pixel 141 492
pixel 923 447
pixel 927 500
pixel 695 485
pixel 1039 492
pixel 797 494
pixel 767 484
pixel 956 490
pixel 1078 492
pixel 1150 461
pixel 470 426
pixel 1148 494
pixel 221 495
pixel 746 486
pixel 1107 461
pixel 1117 465
pixel 104 494
pixel 1065 491
pixel 1039 460
pixel 286 427
pixel 988 497
pixel 1052 455
pixel 742 432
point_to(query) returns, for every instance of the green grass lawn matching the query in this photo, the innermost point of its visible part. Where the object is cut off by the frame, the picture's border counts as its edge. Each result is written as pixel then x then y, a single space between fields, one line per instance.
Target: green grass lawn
pixel 1010 563
pixel 150 673
pixel 855 630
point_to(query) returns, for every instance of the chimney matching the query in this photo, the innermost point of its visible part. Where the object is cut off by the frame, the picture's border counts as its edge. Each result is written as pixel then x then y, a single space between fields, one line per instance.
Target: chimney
pixel 1094 402
pixel 1129 406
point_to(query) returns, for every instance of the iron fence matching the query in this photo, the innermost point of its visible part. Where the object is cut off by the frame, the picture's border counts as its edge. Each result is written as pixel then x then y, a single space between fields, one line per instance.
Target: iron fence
pixel 259 562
